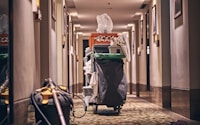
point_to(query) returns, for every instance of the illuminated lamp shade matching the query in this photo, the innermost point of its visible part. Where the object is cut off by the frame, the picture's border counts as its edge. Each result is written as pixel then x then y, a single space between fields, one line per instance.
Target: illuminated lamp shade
pixel 38 3
pixel 35 5
pixel 36 9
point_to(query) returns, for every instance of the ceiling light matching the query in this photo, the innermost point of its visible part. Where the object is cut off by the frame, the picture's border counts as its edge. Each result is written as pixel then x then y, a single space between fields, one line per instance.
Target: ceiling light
pixel 137 14
pixel 80 33
pixel 86 34
pixel 130 25
pixel 77 25
pixel 73 14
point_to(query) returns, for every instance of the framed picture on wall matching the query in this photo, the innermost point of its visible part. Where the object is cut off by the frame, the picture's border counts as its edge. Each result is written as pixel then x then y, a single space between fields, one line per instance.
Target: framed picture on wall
pixel 53 9
pixel 133 37
pixel 154 20
pixel 141 27
pixel 177 8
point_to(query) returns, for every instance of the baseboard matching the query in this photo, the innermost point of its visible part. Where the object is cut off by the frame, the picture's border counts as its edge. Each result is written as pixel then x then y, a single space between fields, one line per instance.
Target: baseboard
pixel 21 112
pixel 158 95
pixel 186 103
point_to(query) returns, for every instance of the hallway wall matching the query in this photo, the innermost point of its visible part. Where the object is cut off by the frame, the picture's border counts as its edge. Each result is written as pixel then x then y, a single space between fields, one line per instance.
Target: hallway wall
pixel 53 56
pixel 59 39
pixel 194 38
pixel 135 58
pixel 155 94
pixel 48 44
pixel 32 51
pixel 194 19
pixel 142 57
pixel 80 72
pixel 24 61
pixel 44 40
pixel 185 62
pixel 159 92
pixel 80 62
pixel 174 64
pixel 180 74
pixel 53 53
pixel 155 51
pixel 180 50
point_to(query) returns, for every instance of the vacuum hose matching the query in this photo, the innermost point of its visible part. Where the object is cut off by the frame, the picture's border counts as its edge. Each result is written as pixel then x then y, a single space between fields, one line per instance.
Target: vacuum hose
pixel 36 106
pixel 57 103
pixel 3 86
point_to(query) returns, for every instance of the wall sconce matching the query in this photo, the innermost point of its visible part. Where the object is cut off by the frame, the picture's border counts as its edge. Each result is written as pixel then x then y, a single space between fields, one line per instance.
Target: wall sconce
pixel 38 3
pixel 139 51
pixel 63 40
pixel 36 9
pixel 35 5
pixel 156 39
pixel 77 58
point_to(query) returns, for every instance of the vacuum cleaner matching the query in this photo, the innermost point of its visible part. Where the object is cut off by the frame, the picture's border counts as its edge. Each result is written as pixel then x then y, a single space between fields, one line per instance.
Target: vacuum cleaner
pixel 52 104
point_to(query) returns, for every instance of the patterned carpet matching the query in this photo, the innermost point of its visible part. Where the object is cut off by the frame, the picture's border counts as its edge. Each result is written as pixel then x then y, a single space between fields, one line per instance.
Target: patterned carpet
pixel 135 111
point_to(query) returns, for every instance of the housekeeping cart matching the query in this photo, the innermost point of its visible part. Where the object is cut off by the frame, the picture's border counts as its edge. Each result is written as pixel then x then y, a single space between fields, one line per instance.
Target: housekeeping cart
pixel 108 84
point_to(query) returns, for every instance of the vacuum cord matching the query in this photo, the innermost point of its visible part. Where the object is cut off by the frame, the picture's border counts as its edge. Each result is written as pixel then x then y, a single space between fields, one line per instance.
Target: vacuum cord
pixel 38 109
pixel 4 120
pixel 69 94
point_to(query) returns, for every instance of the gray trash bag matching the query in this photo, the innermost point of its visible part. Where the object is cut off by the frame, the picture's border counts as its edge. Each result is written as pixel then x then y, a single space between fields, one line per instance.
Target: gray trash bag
pixel 105 24
pixel 123 88
pixel 112 84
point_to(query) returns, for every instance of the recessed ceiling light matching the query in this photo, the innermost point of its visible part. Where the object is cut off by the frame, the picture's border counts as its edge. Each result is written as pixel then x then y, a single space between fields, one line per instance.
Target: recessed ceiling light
pixel 77 25
pixel 137 14
pixel 130 25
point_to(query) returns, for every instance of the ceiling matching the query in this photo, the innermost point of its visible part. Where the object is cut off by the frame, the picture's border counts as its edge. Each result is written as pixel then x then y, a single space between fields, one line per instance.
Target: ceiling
pixel 84 13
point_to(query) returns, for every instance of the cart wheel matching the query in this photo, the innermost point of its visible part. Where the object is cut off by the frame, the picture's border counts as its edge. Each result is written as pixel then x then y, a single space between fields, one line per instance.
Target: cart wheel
pixel 85 107
pixel 95 108
pixel 117 108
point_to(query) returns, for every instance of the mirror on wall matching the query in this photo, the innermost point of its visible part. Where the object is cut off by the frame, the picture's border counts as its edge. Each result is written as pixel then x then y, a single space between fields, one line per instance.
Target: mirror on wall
pixel 4 55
